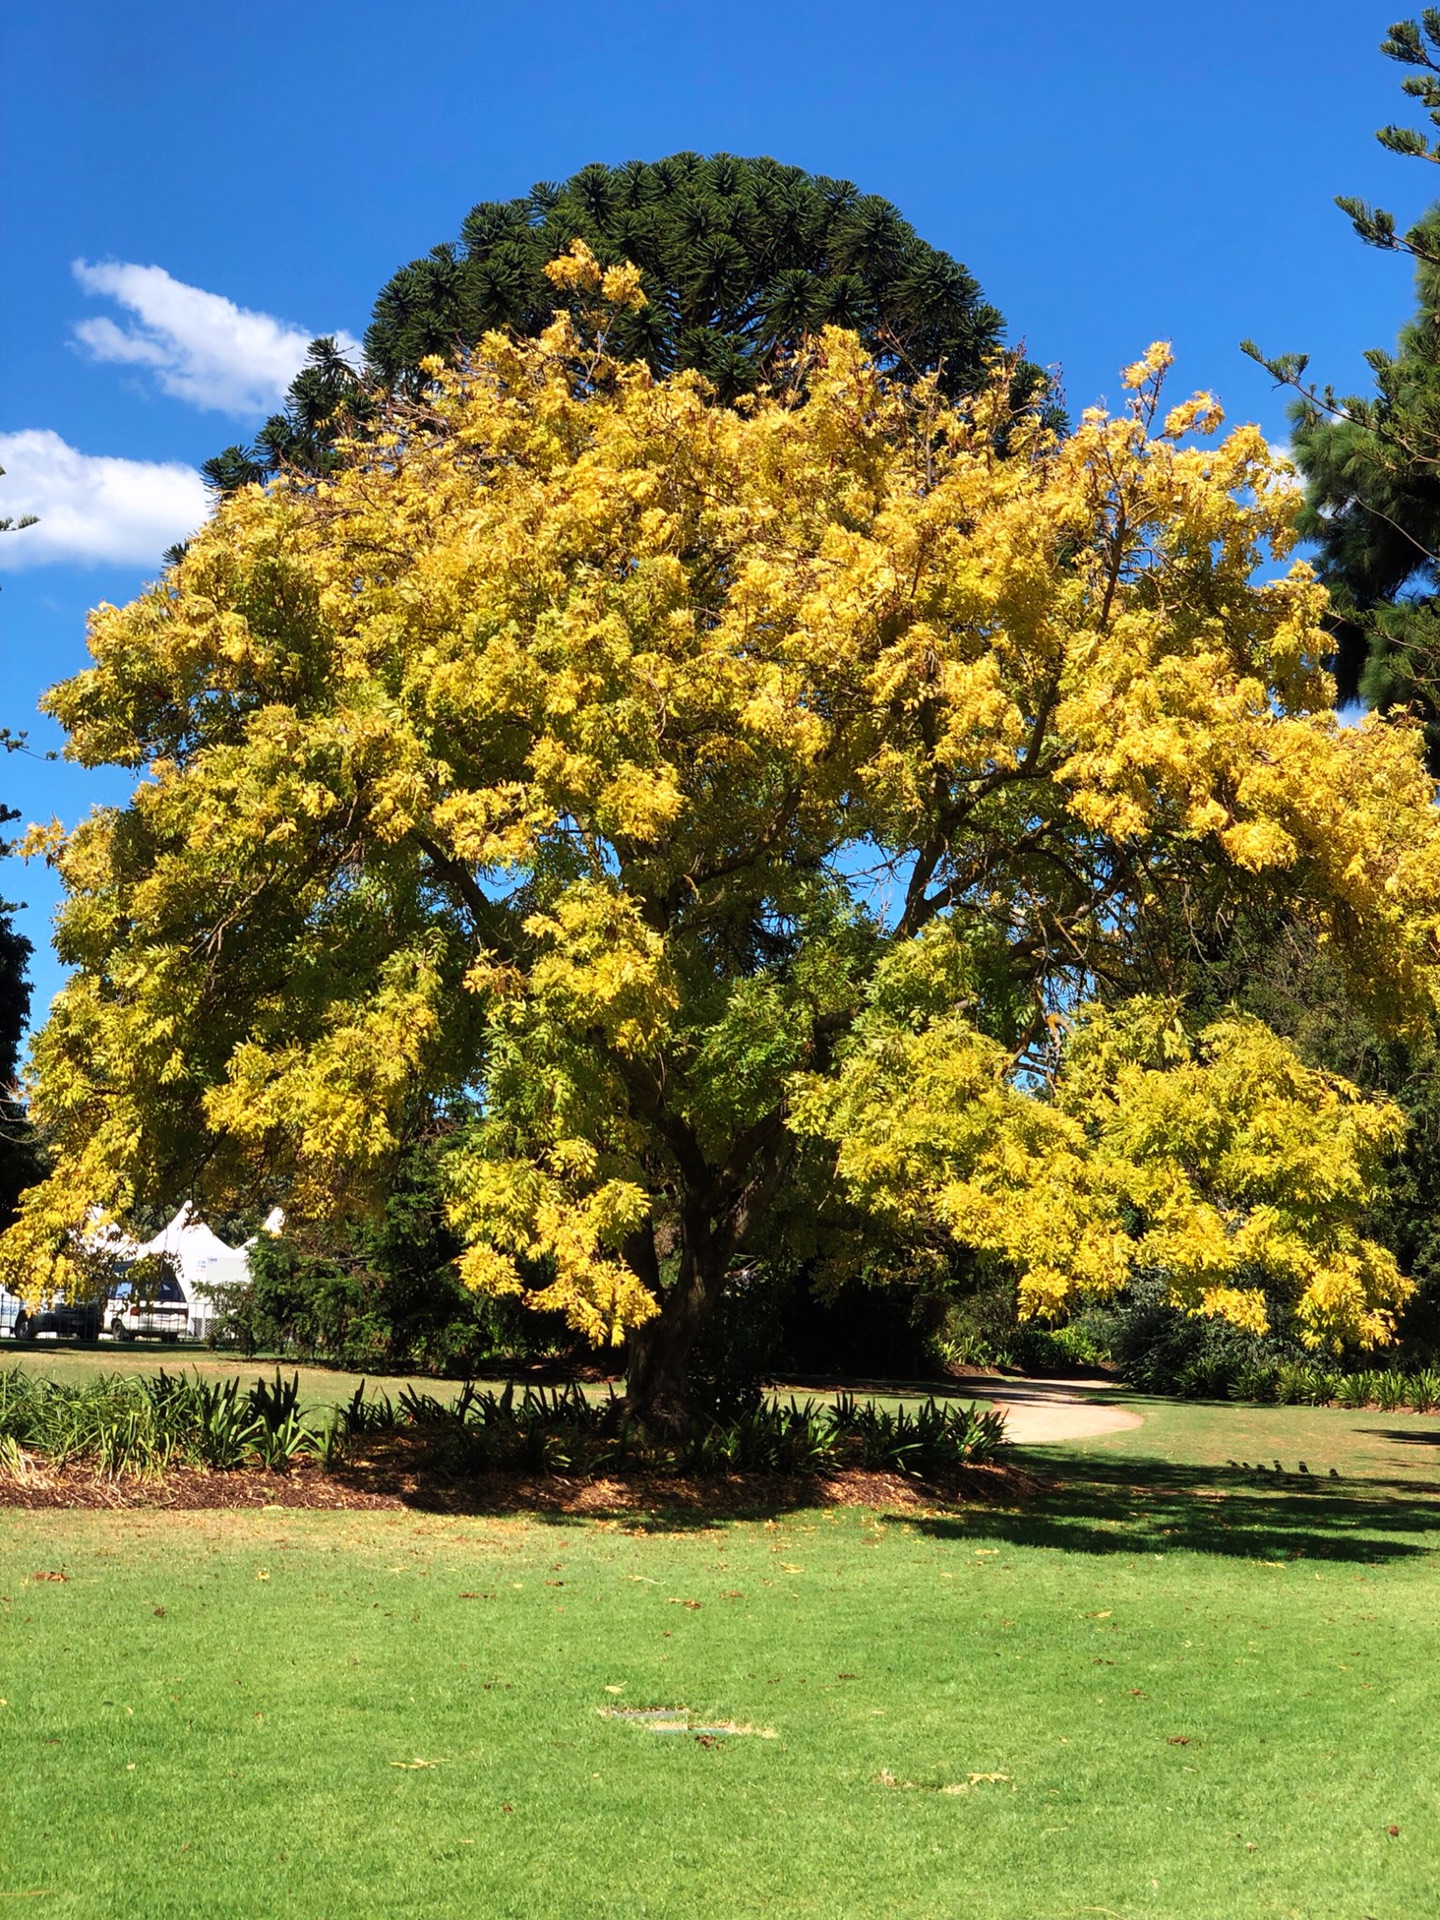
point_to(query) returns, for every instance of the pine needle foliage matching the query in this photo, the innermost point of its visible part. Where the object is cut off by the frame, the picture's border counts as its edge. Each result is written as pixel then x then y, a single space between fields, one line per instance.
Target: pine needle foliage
pixel 1372 461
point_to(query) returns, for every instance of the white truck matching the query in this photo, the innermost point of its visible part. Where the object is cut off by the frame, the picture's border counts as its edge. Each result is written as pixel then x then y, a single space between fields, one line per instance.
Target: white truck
pixel 172 1295
pixel 197 1265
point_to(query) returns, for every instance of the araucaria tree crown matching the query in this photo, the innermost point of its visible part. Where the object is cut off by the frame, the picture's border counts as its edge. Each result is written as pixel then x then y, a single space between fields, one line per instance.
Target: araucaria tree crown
pixel 742 261
pixel 677 791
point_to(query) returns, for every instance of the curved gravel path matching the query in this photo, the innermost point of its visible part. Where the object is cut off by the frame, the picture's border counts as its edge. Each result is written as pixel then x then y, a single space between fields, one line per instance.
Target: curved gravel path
pixel 1039 1412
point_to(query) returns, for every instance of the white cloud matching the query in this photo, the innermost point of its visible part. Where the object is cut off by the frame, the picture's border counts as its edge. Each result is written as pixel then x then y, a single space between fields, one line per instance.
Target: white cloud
pixel 200 346
pixel 94 509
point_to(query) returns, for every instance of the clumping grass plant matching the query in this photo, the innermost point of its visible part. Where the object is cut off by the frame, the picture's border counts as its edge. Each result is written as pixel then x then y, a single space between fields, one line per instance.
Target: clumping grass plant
pixel 143 1424
pixel 1302 1384
pixel 561 1430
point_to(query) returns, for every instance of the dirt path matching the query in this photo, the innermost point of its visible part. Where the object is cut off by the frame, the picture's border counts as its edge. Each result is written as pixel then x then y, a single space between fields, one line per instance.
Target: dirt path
pixel 1039 1412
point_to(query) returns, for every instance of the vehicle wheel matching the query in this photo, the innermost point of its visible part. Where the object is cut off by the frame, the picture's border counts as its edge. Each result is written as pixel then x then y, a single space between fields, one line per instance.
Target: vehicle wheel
pixel 120 1330
pixel 25 1327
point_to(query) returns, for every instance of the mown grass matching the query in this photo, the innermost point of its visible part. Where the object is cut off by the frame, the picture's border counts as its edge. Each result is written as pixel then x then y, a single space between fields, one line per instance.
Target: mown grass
pixel 1210 1694
pixel 321 1388
pixel 1225 1446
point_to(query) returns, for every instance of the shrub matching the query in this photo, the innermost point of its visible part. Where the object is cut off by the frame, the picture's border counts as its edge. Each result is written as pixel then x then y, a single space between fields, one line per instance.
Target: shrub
pixel 1389 1390
pixel 1160 1348
pixel 129 1424
pixel 562 1430
pixel 969 1348
pixel 381 1295
pixel 738 1345
pixel 122 1424
pixel 1300 1384
pixel 1257 1380
pixel 1073 1348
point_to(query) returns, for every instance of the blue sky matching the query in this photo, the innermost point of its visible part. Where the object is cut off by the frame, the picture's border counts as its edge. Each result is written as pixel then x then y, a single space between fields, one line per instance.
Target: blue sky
pixel 1112 175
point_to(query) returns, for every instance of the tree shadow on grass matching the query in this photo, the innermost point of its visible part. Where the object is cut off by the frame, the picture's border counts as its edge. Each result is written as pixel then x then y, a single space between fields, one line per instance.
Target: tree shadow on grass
pixel 1408 1436
pixel 1159 1506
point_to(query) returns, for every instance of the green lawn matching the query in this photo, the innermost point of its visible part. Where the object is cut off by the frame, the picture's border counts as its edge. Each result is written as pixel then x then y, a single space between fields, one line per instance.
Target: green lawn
pixel 319 1386
pixel 1210 1693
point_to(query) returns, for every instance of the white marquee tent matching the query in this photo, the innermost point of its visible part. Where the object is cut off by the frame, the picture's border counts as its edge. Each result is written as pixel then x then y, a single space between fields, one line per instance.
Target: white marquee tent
pixel 203 1261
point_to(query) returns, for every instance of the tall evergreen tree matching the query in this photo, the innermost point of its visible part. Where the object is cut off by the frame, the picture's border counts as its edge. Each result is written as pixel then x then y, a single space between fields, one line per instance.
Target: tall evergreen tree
pixel 18 1162
pixel 741 260
pixel 1372 462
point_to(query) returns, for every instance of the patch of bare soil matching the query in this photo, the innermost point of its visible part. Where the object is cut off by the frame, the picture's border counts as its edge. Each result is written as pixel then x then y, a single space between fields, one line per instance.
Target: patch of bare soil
pixel 394 1474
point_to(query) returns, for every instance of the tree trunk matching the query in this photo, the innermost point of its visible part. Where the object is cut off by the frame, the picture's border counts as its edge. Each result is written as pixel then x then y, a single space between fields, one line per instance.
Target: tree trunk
pixel 657 1362
pixel 717 1211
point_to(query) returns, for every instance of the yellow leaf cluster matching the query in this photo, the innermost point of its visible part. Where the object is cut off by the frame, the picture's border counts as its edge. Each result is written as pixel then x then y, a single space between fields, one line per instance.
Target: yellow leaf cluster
pixel 1217 1160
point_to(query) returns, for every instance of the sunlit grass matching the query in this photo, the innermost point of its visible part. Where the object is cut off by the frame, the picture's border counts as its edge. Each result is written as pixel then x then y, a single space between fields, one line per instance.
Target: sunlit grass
pixel 1209 1694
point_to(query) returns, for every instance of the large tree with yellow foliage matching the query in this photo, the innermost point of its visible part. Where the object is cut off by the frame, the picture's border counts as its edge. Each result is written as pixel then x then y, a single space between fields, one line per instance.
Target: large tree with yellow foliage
pixel 671 790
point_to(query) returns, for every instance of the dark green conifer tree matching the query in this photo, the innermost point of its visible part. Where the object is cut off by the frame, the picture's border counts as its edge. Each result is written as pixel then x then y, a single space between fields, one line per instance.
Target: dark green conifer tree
pixel 1372 462
pixel 742 259
pixel 19 1166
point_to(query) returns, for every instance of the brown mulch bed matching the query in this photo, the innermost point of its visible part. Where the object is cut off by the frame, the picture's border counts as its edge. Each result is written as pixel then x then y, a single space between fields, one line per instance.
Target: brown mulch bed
pixel 393 1475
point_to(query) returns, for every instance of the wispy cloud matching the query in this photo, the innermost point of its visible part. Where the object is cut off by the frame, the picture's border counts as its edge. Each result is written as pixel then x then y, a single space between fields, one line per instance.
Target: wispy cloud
pixel 199 346
pixel 94 509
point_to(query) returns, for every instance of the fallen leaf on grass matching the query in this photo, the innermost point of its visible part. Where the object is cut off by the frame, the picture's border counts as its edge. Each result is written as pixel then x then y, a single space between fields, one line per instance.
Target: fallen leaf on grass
pixel 693 1605
pixel 1394 1832
pixel 732 1596
pixel 1177 1739
pixel 785 1567
pixel 413 1766
pixel 49 1576
pixel 619 1689
pixel 477 1596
